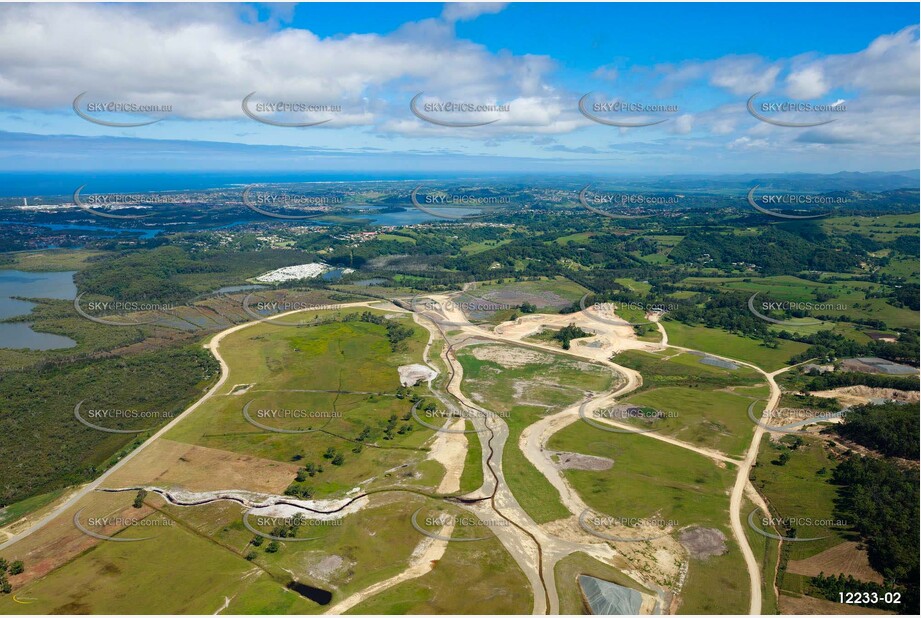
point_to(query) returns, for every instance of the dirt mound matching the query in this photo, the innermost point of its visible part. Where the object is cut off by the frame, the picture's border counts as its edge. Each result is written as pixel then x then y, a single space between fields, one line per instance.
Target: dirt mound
pixel 702 543
pixel 578 461
pixel 859 395
pixel 411 375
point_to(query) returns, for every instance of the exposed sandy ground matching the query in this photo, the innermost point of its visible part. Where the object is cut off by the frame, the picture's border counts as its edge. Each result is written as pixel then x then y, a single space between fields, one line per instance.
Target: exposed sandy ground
pixel 450 450
pixel 657 562
pixel 578 461
pixel 608 339
pixel 167 463
pixel 239 389
pixel 810 606
pixel 509 357
pixel 423 558
pixel 859 395
pixel 845 558
pixel 411 374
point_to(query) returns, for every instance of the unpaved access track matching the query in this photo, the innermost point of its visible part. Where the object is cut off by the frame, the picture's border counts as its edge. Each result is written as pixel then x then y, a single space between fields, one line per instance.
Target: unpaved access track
pixel 213 346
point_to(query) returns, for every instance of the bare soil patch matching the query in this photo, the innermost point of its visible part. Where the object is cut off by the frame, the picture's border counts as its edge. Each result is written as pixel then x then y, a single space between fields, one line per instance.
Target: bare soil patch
pixel 193 468
pixel 859 395
pixel 702 543
pixel 325 567
pixel 578 461
pixel 510 357
pixel 845 558
pixel 811 606
pixel 410 375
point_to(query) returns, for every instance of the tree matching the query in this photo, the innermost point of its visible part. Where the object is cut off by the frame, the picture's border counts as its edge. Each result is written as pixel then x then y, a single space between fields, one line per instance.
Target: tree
pixel 782 459
pixel 17 567
pixel 139 499
pixel 272 547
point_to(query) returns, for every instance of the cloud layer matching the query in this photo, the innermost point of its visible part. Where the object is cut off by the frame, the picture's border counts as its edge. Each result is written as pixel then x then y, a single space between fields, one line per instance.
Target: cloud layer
pixel 203 59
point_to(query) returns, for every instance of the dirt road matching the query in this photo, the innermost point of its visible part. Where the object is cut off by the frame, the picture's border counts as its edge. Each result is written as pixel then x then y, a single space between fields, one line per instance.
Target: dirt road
pixel 212 346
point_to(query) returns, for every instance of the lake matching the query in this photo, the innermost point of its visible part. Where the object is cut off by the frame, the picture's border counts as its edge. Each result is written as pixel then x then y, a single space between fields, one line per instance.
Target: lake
pixel 16 335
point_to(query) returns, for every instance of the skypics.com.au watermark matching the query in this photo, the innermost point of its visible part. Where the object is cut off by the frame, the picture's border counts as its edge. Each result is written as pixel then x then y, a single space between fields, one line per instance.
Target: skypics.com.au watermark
pixel 769 203
pixel 285 528
pixel 792 420
pixel 623 414
pixel 263 201
pixel 90 110
pixel 92 417
pixel 467 306
pixel 117 201
pixel 438 112
pixel 799 309
pixel 611 112
pixel 599 311
pixel 646 528
pixel 466 206
pixel 271 311
pixel 118 312
pixel 286 414
pixel 118 521
pixel 434 414
pixel 269 112
pixel 763 112
pixel 792 525
pixel 618 205
pixel 460 524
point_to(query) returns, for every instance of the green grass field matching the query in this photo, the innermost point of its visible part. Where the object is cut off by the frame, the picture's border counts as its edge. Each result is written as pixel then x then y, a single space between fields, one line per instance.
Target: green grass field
pixel 283 365
pixel 176 572
pixel 716 341
pixel 703 417
pixel 471 578
pixel 840 298
pixel 472 477
pixel 799 489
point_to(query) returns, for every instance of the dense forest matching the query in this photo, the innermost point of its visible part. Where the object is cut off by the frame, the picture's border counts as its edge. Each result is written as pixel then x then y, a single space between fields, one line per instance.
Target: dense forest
pixel 891 428
pixel 881 501
pixel 37 413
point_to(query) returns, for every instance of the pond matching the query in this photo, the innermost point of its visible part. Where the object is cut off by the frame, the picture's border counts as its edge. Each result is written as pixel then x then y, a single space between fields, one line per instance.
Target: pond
pixel 317 595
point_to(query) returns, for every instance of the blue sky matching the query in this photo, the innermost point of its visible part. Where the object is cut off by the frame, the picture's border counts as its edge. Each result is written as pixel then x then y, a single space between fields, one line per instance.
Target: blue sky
pixel 365 62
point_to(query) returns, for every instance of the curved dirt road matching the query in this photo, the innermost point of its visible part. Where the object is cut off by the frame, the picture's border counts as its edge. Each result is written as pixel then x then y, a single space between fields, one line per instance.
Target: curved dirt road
pixel 212 346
